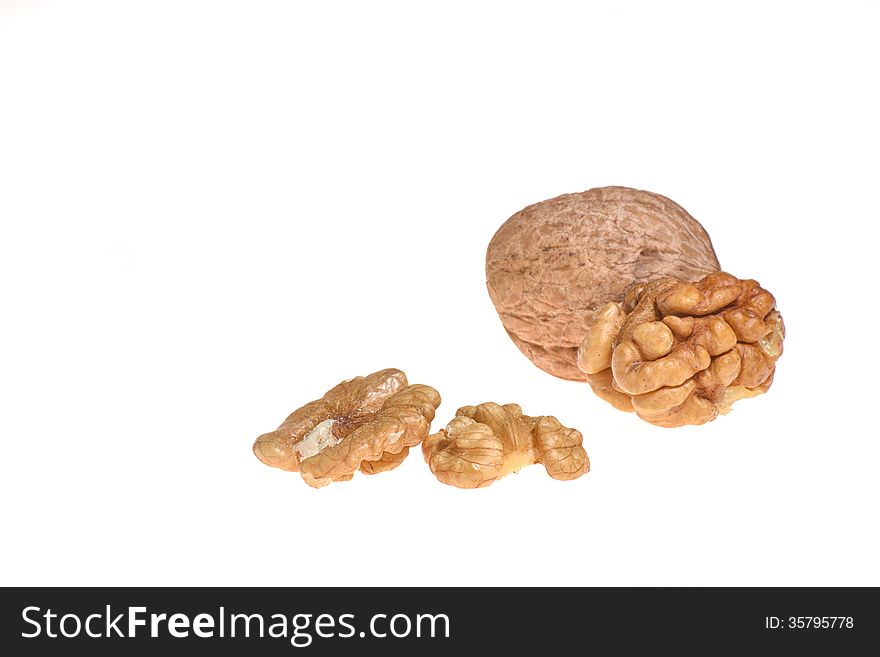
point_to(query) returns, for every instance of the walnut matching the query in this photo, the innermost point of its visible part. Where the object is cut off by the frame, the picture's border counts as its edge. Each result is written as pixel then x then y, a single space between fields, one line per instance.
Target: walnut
pixel 486 442
pixel 552 266
pixel 367 423
pixel 680 353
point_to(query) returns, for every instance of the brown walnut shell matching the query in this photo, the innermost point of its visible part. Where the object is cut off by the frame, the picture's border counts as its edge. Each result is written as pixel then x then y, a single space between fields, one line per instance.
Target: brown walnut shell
pixel 367 423
pixel 680 353
pixel 486 442
pixel 553 265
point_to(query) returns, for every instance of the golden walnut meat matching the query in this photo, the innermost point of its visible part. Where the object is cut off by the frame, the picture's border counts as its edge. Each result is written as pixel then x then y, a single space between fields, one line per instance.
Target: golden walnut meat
pixel 486 442
pixel 680 353
pixel 367 423
pixel 553 265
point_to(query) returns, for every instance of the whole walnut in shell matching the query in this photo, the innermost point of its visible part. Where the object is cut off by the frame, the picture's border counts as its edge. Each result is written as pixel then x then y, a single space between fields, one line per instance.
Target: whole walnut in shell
pixel 486 442
pixel 367 423
pixel 554 264
pixel 680 353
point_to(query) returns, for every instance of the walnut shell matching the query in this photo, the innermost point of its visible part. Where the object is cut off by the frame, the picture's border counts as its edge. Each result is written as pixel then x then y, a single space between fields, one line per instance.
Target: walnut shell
pixel 486 442
pixel 367 423
pixel 680 353
pixel 553 265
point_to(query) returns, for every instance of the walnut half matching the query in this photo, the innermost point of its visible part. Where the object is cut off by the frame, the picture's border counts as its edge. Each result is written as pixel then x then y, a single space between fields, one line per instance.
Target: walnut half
pixel 680 353
pixel 486 442
pixel 367 423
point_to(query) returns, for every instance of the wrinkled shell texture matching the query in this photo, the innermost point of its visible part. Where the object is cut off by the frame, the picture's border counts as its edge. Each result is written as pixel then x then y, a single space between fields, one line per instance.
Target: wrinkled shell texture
pixel 678 352
pixel 486 442
pixel 553 265
pixel 376 419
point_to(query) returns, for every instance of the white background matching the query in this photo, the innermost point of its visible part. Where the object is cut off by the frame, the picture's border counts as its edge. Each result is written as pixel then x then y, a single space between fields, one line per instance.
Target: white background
pixel 214 211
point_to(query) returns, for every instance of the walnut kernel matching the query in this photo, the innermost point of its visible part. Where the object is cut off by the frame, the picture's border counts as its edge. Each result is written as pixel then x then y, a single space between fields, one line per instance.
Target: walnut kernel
pixel 367 423
pixel 486 442
pixel 679 353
